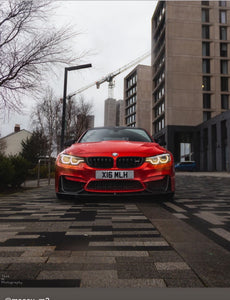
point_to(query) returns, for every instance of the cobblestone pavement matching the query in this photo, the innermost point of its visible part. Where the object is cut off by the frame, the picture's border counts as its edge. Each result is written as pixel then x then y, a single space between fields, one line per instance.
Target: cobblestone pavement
pixel 114 243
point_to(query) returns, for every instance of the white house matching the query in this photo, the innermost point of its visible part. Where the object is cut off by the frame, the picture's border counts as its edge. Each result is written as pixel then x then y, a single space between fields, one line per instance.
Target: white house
pixel 11 144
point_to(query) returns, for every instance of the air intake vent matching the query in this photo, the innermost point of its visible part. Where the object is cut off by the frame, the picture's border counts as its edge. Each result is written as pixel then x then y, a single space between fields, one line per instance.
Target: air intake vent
pixel 114 185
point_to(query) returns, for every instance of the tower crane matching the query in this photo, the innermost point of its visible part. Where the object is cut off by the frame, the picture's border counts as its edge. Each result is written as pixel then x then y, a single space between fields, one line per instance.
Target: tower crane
pixel 110 77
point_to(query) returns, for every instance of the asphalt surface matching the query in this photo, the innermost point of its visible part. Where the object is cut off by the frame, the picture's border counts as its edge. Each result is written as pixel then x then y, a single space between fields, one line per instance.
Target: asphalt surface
pixel 98 243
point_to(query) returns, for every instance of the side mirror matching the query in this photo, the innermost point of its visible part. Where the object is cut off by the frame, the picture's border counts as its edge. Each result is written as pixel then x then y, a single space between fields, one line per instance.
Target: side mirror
pixel 69 143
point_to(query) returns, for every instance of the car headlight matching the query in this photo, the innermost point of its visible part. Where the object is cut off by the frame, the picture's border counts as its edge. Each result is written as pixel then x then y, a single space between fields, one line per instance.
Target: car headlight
pixel 159 159
pixel 70 160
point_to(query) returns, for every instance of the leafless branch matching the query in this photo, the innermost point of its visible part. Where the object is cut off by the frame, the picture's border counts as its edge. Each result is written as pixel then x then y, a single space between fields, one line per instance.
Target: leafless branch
pixel 28 50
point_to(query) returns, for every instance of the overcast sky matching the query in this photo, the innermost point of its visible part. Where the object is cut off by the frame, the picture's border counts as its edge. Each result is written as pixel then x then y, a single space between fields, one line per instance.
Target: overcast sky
pixel 115 32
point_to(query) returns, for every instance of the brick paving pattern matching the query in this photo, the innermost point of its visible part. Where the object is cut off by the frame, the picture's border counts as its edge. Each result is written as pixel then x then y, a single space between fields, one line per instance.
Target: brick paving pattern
pixel 45 242
pixel 206 208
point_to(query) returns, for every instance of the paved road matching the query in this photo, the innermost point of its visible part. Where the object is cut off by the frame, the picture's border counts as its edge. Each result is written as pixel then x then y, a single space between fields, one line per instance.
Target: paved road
pixel 46 242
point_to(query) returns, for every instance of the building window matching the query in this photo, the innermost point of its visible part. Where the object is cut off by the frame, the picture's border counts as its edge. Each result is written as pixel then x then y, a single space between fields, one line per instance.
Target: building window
pixel 205 15
pixel 223 49
pixel 223 33
pixel 224 84
pixel 206 66
pixel 206 49
pixel 222 3
pixel 206 83
pixel 205 32
pixel 224 67
pixel 206 101
pixel 206 3
pixel 206 115
pixel 223 17
pixel 224 102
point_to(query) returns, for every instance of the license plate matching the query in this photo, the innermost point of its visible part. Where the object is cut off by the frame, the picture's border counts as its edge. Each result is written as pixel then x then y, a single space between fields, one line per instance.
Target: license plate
pixel 114 174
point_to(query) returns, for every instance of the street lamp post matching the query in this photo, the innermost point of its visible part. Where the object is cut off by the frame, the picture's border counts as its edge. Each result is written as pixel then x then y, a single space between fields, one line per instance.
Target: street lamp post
pixel 64 98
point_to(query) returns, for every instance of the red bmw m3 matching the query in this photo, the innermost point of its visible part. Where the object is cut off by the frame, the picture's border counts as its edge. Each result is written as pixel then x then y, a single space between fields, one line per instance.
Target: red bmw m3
pixel 115 161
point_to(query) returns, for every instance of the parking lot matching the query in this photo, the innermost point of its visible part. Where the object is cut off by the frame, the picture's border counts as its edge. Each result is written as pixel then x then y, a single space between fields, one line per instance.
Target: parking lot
pixel 118 242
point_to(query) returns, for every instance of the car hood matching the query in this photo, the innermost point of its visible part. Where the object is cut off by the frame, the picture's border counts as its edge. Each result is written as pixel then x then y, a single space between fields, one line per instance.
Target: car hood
pixel 122 148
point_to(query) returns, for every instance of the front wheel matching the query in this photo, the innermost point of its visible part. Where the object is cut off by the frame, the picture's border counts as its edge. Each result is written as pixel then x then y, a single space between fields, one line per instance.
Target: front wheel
pixel 64 196
pixel 167 197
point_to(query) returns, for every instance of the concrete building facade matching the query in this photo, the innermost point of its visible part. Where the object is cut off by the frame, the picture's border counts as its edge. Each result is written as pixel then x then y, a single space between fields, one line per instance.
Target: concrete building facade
pixel 12 143
pixel 213 144
pixel 190 69
pixel 113 112
pixel 137 97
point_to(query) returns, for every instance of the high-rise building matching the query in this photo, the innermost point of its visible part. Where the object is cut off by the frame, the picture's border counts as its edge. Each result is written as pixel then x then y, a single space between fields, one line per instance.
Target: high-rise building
pixel 113 112
pixel 190 63
pixel 137 97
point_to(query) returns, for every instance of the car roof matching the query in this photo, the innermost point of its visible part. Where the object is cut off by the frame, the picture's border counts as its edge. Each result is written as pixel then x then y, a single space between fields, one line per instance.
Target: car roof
pixel 116 127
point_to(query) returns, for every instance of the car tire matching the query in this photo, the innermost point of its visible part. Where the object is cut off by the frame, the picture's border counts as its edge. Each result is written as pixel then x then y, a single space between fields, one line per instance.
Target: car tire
pixel 167 197
pixel 64 197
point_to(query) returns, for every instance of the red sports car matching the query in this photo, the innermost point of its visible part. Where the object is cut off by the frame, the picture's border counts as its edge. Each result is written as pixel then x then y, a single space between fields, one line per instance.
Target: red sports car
pixel 115 161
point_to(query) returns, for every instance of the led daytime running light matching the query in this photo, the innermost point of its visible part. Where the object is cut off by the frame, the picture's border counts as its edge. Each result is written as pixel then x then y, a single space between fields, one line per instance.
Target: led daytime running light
pixel 159 159
pixel 70 160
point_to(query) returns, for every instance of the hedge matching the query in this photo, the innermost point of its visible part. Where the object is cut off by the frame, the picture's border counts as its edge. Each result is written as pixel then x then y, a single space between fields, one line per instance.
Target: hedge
pixel 13 171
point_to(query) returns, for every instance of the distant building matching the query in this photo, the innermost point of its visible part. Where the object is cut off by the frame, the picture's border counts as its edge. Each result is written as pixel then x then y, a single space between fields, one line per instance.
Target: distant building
pixel 120 113
pixel 12 143
pixel 138 97
pixel 113 112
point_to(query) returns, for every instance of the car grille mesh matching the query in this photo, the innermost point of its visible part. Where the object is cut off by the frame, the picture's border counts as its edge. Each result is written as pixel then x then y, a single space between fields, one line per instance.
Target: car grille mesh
pixel 129 162
pixel 114 185
pixel 100 162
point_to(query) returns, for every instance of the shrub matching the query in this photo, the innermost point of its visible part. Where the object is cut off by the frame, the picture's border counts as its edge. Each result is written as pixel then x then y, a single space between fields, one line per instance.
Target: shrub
pixel 13 171
pixel 21 167
pixel 6 171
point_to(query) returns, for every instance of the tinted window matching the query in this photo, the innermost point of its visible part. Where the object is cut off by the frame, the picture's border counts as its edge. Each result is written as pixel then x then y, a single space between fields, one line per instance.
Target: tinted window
pixel 115 134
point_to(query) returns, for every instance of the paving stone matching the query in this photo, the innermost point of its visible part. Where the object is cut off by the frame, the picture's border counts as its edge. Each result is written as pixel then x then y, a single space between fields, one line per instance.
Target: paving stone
pixel 183 283
pixel 62 266
pixel 171 266
pixel 8 260
pixel 57 253
pixel 3 266
pixel 178 274
pixel 21 272
pixel 137 270
pixel 115 253
pixel 81 259
pixel 10 254
pixel 163 256
pixel 124 283
pixel 97 266
pixel 60 275
pixel 98 278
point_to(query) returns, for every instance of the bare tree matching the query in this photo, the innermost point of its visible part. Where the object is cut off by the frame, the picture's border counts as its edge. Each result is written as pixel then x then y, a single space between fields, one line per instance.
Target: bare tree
pixel 47 118
pixel 28 48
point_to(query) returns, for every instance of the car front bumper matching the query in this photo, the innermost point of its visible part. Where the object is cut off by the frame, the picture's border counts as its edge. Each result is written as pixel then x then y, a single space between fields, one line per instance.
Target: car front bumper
pixel 147 179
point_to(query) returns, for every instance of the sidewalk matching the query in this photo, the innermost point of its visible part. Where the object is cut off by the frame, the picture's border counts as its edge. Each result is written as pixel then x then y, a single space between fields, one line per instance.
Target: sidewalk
pixel 36 183
pixel 204 174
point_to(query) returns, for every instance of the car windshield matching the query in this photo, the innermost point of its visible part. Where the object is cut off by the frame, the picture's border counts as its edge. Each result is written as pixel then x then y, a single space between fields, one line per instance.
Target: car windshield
pixel 115 134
